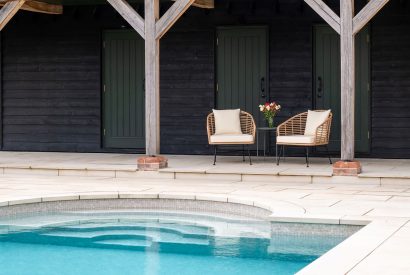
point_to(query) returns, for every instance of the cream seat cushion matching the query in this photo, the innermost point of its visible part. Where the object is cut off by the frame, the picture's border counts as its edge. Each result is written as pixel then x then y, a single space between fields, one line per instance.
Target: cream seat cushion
pixel 227 122
pixel 314 120
pixel 229 138
pixel 295 139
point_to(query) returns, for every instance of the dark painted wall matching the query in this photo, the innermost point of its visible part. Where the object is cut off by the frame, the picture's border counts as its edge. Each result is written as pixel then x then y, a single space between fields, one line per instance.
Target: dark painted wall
pixel 391 81
pixel 52 74
pixel 51 90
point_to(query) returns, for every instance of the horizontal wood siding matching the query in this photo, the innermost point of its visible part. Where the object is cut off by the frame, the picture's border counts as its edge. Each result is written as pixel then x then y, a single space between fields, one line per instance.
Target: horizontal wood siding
pixel 51 89
pixel 187 90
pixel 391 82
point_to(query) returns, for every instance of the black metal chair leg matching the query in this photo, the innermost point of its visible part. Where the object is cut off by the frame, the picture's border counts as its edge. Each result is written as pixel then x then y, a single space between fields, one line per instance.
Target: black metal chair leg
pixel 215 155
pixel 328 154
pixel 307 156
pixel 276 151
pixel 243 153
pixel 280 154
pixel 249 154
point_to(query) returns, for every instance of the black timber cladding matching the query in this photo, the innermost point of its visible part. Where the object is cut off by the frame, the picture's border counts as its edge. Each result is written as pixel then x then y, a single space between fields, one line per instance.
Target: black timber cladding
pixel 390 92
pixel 51 90
pixel 52 75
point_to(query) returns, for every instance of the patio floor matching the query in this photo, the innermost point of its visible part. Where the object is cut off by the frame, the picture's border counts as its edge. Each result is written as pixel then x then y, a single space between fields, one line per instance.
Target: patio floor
pixel 382 171
pixel 291 191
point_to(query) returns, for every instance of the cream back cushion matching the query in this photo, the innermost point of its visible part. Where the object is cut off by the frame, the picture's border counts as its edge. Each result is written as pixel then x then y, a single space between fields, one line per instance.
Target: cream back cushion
pixel 314 120
pixel 227 121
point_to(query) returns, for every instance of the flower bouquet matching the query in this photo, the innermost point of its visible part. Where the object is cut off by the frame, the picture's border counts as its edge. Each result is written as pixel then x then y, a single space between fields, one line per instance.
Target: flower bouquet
pixel 269 110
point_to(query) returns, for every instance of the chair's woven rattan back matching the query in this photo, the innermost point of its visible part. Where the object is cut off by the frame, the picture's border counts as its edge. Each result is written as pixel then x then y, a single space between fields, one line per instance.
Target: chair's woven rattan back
pixel 248 125
pixel 296 126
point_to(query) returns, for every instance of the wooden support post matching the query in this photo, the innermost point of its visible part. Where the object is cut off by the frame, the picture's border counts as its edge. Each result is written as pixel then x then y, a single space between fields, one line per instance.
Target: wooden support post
pixel 152 96
pixel 347 25
pixel 8 11
pixel 152 29
pixel 347 81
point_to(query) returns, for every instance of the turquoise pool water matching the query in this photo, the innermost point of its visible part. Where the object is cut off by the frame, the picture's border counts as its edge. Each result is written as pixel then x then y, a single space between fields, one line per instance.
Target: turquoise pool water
pixel 159 243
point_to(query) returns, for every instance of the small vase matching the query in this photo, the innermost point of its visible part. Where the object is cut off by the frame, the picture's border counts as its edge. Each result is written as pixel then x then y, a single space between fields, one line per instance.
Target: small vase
pixel 270 122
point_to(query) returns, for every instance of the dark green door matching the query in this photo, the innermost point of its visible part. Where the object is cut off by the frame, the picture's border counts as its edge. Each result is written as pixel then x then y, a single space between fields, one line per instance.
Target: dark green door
pixel 327 83
pixel 242 62
pixel 123 99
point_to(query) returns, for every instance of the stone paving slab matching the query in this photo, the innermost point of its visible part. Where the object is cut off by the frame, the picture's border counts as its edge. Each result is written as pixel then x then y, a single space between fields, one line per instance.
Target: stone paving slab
pixel 382 172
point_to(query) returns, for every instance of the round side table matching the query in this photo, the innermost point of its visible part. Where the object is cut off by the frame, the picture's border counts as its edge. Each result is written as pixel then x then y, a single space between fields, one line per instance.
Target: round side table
pixel 266 131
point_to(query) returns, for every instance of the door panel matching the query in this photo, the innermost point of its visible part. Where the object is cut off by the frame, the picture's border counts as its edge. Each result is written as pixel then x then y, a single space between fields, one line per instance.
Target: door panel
pixel 327 83
pixel 124 115
pixel 242 62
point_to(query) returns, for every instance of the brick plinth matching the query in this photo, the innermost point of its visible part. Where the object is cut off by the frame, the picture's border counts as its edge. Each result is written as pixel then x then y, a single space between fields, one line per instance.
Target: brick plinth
pixel 152 163
pixel 347 168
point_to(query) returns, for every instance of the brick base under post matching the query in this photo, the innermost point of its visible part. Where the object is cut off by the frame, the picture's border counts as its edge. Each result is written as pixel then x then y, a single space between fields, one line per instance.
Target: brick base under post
pixel 152 163
pixel 347 168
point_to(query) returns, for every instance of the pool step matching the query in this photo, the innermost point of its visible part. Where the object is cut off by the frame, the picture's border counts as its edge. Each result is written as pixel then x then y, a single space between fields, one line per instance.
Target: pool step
pixel 129 237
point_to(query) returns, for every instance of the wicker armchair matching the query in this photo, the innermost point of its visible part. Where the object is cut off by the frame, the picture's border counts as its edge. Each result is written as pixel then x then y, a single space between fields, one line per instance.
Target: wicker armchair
pixel 292 133
pixel 247 138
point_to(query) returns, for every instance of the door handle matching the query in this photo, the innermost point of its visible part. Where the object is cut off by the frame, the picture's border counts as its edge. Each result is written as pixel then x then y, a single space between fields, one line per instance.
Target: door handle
pixel 263 87
pixel 319 87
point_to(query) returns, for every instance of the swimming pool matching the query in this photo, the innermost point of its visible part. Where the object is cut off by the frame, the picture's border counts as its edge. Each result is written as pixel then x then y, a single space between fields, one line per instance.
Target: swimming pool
pixel 158 241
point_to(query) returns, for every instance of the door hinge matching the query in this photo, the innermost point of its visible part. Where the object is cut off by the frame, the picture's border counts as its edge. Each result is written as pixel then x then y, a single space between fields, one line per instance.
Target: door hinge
pixel 368 134
pixel 104 88
pixel 104 132
pixel 217 41
pixel 104 44
pixel 368 38
pixel 217 87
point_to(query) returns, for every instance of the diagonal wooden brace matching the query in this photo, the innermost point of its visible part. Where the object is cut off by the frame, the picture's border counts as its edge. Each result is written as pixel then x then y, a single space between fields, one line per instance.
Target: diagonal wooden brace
pixel 367 13
pixel 130 15
pixel 171 16
pixel 8 11
pixel 326 13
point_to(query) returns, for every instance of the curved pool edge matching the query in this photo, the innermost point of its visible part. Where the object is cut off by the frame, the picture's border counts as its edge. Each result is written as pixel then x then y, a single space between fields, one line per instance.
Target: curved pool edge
pixel 340 260
pixel 281 211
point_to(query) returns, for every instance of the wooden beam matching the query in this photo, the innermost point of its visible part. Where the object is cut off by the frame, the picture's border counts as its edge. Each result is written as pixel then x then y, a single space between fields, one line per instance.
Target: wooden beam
pixel 204 4
pixel 152 95
pixel 367 13
pixel 8 11
pixel 326 13
pixel 130 15
pixel 41 7
pixel 171 16
pixel 347 81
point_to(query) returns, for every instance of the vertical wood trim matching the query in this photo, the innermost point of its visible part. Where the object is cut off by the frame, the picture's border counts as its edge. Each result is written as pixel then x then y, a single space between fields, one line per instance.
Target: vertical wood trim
pixel 347 80
pixel 326 13
pixel 367 13
pixel 152 96
pixel 171 16
pixel 130 15
pixel 8 11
